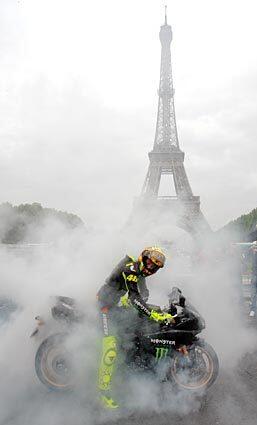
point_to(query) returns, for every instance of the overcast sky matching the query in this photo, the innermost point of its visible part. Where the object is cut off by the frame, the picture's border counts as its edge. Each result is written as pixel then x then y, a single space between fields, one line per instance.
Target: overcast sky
pixel 78 102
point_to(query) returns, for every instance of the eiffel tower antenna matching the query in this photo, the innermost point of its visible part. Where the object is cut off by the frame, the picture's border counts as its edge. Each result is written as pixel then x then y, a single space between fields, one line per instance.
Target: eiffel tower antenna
pixel 165 14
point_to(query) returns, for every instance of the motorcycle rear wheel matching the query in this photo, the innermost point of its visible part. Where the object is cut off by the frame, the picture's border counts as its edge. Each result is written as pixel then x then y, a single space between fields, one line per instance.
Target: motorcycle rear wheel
pixel 198 370
pixel 53 364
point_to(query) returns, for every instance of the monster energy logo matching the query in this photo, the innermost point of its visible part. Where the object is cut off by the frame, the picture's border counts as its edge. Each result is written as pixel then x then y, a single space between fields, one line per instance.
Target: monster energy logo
pixel 161 353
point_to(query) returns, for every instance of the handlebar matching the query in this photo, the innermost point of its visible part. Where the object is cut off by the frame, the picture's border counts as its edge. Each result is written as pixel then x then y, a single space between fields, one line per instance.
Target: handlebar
pixel 176 297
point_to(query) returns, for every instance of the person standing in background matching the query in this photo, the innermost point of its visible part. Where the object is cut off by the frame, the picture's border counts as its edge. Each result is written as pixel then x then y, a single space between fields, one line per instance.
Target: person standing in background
pixel 253 280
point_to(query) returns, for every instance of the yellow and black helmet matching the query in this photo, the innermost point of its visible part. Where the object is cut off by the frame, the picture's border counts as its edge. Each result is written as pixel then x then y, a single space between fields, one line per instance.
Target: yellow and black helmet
pixel 152 259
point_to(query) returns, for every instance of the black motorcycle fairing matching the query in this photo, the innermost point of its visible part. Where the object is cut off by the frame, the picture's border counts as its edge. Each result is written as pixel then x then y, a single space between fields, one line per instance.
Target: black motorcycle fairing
pixel 145 346
pixel 66 309
pixel 188 324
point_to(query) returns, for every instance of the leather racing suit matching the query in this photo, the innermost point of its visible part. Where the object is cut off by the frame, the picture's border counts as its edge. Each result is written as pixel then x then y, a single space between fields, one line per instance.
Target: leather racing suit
pixel 124 279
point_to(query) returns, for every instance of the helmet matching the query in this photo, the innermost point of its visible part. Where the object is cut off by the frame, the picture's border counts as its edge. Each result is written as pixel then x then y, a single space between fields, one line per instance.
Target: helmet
pixel 151 260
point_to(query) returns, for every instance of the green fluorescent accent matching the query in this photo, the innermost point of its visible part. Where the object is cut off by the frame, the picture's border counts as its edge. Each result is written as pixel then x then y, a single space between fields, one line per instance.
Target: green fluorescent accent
pixel 125 302
pixel 161 352
pixel 109 402
pixel 132 258
pixel 154 315
pixel 107 364
pixel 125 280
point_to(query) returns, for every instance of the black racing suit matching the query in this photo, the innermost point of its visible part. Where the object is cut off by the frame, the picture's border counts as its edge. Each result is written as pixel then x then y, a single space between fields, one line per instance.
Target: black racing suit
pixel 125 278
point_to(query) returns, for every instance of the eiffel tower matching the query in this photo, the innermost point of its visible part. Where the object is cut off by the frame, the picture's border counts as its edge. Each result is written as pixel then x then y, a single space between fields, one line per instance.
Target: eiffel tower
pixel 166 158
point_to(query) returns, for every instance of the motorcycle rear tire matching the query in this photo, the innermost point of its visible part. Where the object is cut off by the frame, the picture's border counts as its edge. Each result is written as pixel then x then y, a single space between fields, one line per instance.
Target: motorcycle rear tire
pixel 52 364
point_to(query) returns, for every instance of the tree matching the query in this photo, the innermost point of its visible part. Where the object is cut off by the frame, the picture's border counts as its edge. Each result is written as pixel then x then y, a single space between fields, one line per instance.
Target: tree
pixel 27 222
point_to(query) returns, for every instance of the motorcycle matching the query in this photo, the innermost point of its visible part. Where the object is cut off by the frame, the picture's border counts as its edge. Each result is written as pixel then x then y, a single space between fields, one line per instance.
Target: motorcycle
pixel 187 361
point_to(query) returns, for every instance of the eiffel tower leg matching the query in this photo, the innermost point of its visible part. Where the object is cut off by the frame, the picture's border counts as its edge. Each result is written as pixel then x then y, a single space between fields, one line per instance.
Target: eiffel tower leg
pixel 153 181
pixel 181 182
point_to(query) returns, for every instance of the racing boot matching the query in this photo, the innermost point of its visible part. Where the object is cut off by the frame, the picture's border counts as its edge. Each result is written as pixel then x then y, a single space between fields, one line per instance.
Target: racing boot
pixel 106 371
pixel 108 402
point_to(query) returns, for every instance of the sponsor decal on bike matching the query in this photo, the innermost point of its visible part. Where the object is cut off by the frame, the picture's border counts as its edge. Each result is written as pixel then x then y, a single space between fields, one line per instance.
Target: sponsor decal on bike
pixel 161 352
pixel 162 341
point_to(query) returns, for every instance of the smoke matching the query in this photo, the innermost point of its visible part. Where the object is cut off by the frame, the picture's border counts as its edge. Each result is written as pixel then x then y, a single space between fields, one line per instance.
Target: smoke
pixel 76 266
pixel 65 140
pixel 30 277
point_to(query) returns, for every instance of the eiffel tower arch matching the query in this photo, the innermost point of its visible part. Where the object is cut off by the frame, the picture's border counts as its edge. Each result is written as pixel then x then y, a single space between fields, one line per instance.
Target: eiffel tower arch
pixel 166 158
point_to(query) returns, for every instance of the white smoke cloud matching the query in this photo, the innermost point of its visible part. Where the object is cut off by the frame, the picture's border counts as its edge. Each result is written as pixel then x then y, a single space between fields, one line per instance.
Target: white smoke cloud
pixel 74 136
pixel 76 266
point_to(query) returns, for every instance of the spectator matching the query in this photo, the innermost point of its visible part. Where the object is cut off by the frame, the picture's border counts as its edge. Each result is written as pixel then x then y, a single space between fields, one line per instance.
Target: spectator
pixel 253 280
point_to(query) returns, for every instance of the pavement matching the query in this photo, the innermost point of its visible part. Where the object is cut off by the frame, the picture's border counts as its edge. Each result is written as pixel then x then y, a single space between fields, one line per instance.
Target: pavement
pixel 231 401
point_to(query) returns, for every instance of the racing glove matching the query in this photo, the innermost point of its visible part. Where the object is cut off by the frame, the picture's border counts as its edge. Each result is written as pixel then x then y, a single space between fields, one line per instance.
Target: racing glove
pixel 161 317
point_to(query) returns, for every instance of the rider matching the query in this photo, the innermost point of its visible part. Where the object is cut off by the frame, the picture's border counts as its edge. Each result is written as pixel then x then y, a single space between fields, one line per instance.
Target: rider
pixel 126 282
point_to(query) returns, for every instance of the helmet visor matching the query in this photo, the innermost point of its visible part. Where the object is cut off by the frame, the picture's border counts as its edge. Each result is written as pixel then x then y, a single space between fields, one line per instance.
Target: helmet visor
pixel 157 258
pixel 150 266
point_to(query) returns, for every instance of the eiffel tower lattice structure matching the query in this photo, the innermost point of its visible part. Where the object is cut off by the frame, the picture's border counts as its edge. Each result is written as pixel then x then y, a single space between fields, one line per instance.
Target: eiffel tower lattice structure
pixel 167 158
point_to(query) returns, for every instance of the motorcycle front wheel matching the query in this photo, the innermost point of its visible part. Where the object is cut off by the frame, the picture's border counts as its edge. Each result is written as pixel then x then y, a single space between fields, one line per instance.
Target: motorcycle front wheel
pixel 53 363
pixel 196 370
